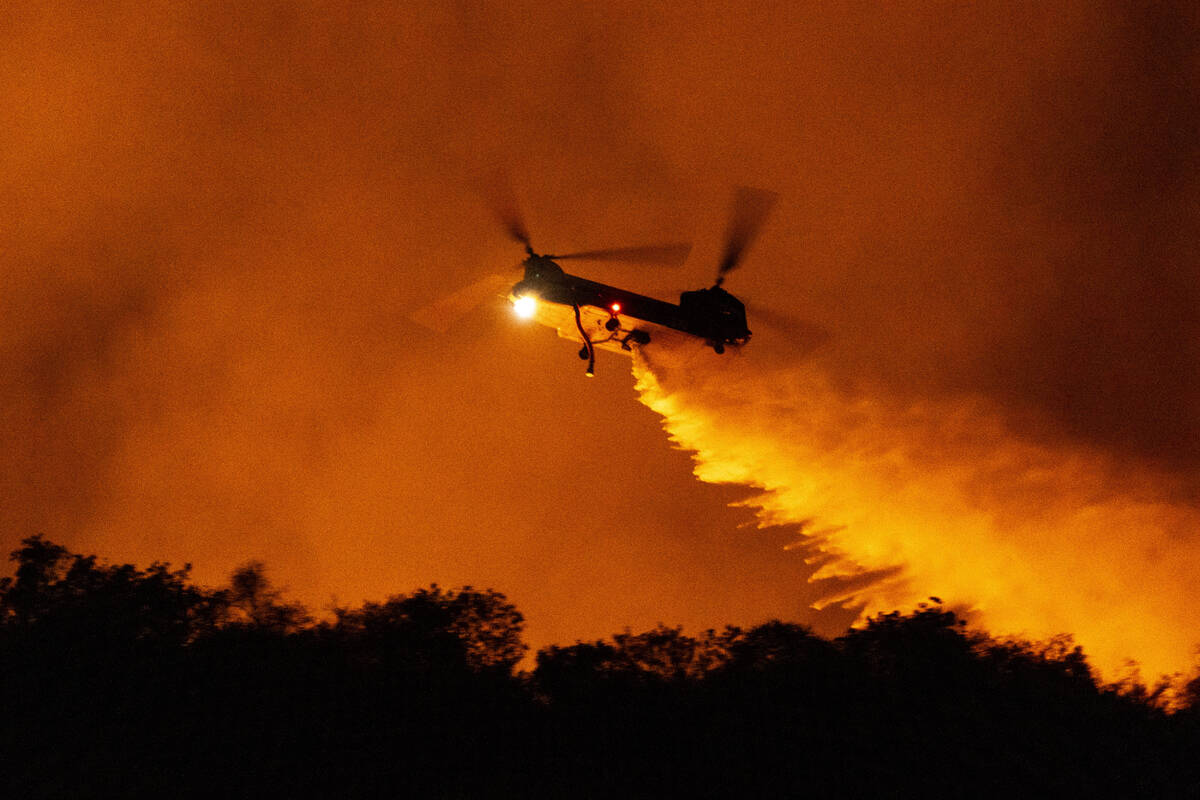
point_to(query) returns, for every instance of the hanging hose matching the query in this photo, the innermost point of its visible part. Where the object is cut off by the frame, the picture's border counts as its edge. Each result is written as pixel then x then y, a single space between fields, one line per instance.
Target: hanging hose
pixel 587 342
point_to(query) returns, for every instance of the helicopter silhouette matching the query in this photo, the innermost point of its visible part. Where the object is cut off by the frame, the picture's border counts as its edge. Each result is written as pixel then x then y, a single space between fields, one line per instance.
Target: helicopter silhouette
pixel 600 316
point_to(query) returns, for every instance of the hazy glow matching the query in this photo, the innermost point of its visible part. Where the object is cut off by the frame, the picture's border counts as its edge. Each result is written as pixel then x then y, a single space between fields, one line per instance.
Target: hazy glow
pixel 525 306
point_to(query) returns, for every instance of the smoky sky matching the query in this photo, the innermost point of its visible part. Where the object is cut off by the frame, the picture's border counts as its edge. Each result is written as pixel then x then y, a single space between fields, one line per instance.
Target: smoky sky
pixel 214 222
pixel 1099 202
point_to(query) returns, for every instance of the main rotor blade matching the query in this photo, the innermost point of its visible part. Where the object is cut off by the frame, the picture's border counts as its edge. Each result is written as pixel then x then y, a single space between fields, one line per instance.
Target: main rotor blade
pixel 667 255
pixel 441 314
pixel 500 195
pixel 510 218
pixel 750 209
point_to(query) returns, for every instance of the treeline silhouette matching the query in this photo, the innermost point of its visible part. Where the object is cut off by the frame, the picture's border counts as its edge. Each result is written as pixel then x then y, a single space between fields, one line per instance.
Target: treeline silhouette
pixel 119 682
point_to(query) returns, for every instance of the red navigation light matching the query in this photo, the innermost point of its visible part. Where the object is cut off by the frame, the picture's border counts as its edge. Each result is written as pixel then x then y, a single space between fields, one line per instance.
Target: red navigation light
pixel 616 308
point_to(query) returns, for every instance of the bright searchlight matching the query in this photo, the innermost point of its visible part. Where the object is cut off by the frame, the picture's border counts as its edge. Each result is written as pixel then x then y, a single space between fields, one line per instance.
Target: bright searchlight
pixel 525 306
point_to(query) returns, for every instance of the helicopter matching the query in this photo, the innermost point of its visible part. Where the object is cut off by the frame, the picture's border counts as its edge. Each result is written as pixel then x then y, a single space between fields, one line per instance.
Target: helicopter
pixel 600 316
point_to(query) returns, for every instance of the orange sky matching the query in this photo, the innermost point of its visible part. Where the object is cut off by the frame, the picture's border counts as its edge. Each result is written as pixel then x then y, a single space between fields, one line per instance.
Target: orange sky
pixel 216 223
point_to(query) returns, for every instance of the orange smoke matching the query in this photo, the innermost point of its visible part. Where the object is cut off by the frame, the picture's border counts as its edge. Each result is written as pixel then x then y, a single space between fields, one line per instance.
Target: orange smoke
pixel 1035 539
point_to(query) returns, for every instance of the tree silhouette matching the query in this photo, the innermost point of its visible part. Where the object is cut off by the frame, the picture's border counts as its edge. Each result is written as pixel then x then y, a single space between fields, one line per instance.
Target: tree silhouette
pixel 56 594
pixel 120 681
pixel 439 628
pixel 252 602
pixel 40 565
pixel 661 656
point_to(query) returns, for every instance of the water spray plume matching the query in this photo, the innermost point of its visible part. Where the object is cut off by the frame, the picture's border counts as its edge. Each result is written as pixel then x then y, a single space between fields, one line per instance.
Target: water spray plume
pixel 943 499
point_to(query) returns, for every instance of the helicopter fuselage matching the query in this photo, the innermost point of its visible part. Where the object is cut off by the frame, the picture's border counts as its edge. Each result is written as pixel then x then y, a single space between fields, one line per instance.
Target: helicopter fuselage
pixel 605 316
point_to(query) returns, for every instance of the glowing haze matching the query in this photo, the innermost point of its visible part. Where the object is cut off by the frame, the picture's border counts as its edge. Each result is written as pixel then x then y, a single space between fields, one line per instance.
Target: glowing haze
pixel 214 222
